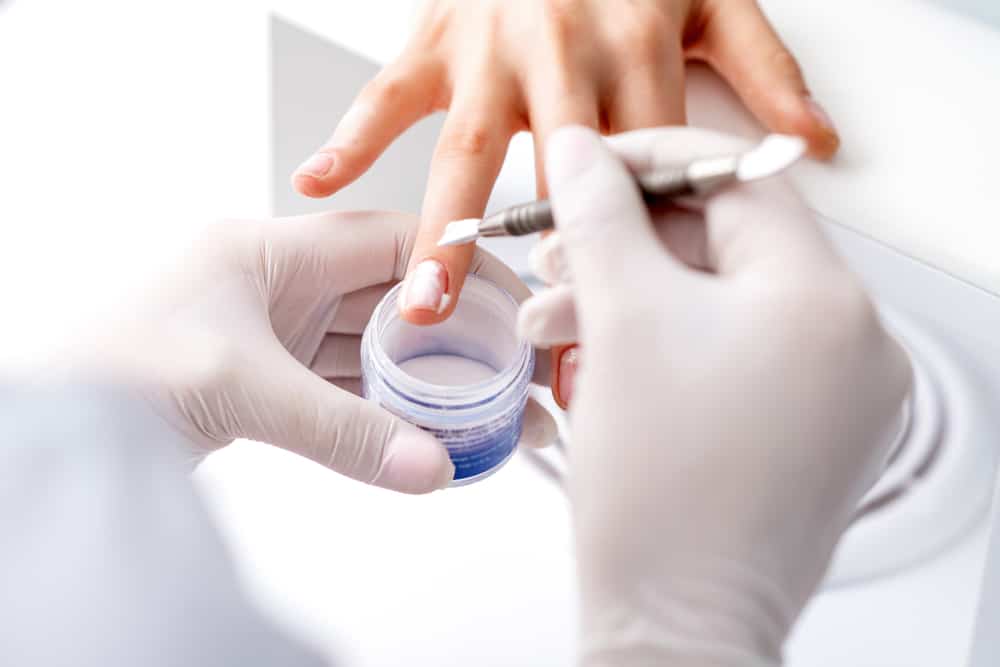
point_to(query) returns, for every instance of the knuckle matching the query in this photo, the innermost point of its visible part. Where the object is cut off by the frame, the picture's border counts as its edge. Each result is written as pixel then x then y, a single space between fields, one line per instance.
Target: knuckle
pixel 470 138
pixel 389 87
pixel 561 17
pixel 643 38
pixel 495 17
pixel 562 55
pixel 434 27
pixel 783 63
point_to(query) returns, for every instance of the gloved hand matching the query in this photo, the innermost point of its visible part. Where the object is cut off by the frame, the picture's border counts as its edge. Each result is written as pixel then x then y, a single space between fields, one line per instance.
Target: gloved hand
pixel 256 334
pixel 726 419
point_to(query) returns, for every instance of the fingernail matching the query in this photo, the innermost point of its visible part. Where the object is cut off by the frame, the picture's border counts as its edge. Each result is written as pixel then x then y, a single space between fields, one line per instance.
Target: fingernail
pixel 414 462
pixel 820 114
pixel 425 288
pixel 568 364
pixel 539 428
pixel 570 152
pixel 318 166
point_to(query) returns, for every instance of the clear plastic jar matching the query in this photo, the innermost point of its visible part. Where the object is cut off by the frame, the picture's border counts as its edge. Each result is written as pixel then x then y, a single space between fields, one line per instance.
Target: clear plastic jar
pixel 465 380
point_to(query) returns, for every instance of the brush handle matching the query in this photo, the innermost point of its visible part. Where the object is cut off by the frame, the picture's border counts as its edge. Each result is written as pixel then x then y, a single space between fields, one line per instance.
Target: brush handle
pixel 664 184
pixel 519 220
pixel 522 219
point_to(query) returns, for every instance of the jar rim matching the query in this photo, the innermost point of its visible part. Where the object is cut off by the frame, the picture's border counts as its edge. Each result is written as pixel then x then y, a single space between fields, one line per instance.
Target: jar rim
pixel 438 396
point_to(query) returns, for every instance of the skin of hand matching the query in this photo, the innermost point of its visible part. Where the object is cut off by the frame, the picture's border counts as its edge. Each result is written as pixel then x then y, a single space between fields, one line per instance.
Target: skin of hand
pixel 256 334
pixel 736 397
pixel 502 66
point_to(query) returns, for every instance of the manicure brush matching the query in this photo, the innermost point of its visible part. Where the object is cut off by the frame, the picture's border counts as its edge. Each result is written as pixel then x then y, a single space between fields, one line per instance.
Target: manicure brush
pixel 771 156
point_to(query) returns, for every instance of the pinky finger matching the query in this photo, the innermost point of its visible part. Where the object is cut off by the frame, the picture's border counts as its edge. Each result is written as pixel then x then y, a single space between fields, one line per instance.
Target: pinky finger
pixel 740 43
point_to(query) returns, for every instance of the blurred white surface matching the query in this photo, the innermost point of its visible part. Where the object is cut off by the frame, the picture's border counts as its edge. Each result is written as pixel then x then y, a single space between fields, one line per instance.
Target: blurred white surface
pixel 983 10
pixel 482 574
pixel 124 128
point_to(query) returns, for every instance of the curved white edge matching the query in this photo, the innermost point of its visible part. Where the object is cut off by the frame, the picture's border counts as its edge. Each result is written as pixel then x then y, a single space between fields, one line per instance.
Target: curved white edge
pixel 944 506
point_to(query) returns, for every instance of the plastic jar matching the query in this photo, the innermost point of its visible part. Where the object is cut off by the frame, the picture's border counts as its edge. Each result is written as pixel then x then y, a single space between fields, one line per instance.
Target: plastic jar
pixel 465 380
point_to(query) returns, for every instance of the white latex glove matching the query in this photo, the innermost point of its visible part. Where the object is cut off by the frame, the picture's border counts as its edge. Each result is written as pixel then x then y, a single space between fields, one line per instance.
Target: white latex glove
pixel 726 420
pixel 257 334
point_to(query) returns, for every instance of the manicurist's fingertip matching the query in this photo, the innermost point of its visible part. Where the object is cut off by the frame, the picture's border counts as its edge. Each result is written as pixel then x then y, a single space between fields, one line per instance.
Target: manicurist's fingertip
pixel 539 428
pixel 414 462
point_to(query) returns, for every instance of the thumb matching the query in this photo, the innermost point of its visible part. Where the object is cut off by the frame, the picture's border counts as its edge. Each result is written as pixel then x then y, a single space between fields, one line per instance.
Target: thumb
pixel 549 318
pixel 606 231
pixel 303 413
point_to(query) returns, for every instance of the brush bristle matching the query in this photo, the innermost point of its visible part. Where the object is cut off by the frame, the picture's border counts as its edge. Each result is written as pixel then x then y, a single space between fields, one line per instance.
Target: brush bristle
pixel 774 154
pixel 460 231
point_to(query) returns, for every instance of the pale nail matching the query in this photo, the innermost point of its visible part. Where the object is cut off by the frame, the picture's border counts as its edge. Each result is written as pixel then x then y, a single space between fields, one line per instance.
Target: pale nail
pixel 414 462
pixel 820 114
pixel 318 166
pixel 539 428
pixel 568 364
pixel 425 288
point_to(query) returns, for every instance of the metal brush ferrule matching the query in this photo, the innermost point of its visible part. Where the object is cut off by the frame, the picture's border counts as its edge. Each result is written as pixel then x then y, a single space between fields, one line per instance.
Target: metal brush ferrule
pixel 518 220
pixel 696 178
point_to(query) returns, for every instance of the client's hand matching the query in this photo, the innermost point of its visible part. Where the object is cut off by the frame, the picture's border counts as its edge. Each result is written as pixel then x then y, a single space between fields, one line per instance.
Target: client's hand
pixel 256 334
pixel 501 66
pixel 737 395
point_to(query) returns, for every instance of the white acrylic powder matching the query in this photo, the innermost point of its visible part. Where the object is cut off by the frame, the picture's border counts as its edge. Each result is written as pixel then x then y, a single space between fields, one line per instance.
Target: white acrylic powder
pixel 447 369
